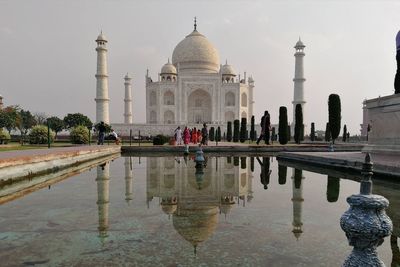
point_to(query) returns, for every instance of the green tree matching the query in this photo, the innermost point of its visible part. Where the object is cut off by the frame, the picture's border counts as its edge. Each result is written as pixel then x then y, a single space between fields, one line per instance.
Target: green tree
pixel 344 133
pixel 283 126
pixel 289 135
pixel 56 124
pixel 8 118
pixel 236 126
pixel 312 134
pixel 327 133
pixel 298 124
pixel 273 135
pixel 229 132
pixel 252 130
pixel 79 135
pixel 218 137
pixel 243 129
pixel 211 134
pixel 25 121
pixel 334 115
pixel 76 119
pixel 108 127
pixel 39 135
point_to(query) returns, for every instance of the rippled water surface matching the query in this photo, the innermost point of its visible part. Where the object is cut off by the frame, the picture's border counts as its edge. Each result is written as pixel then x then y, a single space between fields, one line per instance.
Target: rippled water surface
pixel 158 211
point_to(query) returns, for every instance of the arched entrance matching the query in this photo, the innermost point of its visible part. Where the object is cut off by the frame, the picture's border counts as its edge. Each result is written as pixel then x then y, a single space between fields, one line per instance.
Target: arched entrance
pixel 199 107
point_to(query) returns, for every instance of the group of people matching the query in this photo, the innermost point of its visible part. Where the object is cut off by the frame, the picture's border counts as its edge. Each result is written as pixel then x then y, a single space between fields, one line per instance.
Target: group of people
pixel 102 134
pixel 195 136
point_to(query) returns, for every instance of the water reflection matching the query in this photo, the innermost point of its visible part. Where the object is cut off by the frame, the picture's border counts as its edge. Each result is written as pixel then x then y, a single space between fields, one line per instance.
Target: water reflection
pixel 297 199
pixel 332 189
pixel 265 171
pixel 103 198
pixel 128 179
pixel 193 199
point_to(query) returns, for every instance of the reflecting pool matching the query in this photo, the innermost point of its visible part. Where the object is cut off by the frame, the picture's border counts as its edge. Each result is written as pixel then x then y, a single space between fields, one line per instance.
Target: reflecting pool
pixel 160 211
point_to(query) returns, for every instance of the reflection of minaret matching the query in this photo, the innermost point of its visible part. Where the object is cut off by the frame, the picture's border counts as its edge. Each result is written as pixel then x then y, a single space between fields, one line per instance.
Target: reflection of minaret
pixel 128 179
pixel 298 96
pixel 103 181
pixel 297 200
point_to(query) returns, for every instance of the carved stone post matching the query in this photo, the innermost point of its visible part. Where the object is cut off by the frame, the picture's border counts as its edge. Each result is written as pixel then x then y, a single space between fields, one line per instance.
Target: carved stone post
pixel 365 222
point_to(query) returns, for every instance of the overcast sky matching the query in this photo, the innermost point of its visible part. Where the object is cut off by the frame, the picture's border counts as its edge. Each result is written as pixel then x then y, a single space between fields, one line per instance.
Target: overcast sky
pixel 48 58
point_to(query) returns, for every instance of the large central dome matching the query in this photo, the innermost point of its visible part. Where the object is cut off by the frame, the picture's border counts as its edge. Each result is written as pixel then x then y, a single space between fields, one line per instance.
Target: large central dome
pixel 196 53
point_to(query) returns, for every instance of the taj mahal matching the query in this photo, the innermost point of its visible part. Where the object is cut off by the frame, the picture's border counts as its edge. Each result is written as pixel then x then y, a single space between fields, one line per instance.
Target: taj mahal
pixel 191 89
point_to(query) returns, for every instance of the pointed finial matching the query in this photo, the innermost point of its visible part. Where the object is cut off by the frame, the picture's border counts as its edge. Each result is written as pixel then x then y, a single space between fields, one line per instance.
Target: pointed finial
pixel 195 250
pixel 195 24
pixel 168 60
pixel 226 62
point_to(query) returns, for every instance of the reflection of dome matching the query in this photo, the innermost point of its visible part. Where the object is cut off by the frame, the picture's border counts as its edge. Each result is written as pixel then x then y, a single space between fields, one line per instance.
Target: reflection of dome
pixel 168 68
pixel 225 208
pixel 196 224
pixel 196 52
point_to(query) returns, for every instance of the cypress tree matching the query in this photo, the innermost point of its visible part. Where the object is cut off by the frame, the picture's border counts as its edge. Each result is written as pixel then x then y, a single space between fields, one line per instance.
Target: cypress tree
pixel 289 136
pixel 334 115
pixel 212 134
pixel 344 133
pixel 236 126
pixel 252 130
pixel 312 135
pixel 229 132
pixel 243 128
pixel 218 138
pixel 273 135
pixel 327 133
pixel 283 126
pixel 235 161
pixel 298 124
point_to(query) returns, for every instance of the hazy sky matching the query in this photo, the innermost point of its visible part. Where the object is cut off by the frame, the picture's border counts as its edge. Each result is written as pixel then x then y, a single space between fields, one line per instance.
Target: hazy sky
pixel 48 58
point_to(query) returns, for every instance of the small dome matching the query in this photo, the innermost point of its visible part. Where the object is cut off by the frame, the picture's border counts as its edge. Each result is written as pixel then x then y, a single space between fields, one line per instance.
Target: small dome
pixel 196 52
pixel 228 70
pixel 127 76
pixel 101 37
pixel 251 80
pixel 168 68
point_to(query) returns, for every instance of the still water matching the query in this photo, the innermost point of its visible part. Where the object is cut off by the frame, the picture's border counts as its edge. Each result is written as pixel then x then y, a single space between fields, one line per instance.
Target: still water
pixel 157 211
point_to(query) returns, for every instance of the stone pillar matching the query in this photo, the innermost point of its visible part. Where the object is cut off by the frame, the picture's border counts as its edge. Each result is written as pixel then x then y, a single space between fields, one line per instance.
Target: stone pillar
pixel 366 222
pixel 102 99
pixel 128 100
pixel 298 94
pixel 103 198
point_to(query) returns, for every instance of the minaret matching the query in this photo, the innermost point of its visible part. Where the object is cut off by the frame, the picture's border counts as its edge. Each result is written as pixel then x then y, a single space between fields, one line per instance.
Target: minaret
pixel 1 102
pixel 102 100
pixel 297 200
pixel 251 96
pixel 128 99
pixel 103 198
pixel 128 179
pixel 298 96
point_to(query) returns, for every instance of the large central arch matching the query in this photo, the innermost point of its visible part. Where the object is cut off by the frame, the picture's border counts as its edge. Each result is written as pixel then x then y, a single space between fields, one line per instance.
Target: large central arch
pixel 199 107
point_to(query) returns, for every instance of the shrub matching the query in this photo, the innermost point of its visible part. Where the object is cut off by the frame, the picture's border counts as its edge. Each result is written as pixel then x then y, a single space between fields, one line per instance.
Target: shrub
pixel 243 129
pixel 79 135
pixel 160 140
pixel 218 137
pixel 283 126
pixel 236 126
pixel 312 135
pixel 344 133
pixel 229 132
pixel 252 130
pixel 38 135
pixel 4 137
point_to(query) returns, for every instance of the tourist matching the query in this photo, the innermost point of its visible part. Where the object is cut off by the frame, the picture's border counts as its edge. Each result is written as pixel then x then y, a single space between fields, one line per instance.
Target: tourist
pixel 198 136
pixel 194 135
pixel 397 77
pixel 114 136
pixel 178 136
pixel 186 136
pixel 204 134
pixel 102 132
pixel 265 171
pixel 262 124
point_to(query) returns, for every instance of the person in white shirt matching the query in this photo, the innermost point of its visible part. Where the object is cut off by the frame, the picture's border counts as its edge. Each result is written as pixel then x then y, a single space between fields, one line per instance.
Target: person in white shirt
pixel 178 136
pixel 115 136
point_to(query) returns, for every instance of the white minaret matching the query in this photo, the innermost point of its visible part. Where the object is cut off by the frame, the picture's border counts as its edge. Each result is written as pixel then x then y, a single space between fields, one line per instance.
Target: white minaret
pixel 298 96
pixel 102 100
pixel 128 99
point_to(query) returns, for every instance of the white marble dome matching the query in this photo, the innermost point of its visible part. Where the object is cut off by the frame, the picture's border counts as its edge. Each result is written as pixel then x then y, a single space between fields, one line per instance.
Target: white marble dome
pixel 228 70
pixel 168 68
pixel 196 53
pixel 101 37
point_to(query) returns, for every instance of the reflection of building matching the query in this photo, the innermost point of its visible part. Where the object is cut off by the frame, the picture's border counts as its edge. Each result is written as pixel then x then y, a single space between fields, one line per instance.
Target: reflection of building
pixel 128 179
pixel 192 200
pixel 103 198
pixel 297 200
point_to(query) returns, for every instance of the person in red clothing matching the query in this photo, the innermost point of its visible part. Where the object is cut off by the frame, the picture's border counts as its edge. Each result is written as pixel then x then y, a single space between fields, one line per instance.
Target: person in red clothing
pixel 199 136
pixel 186 136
